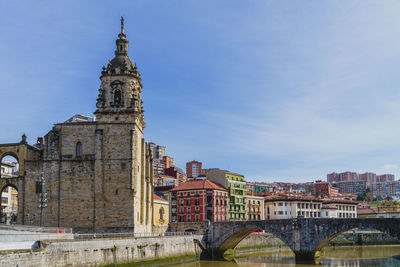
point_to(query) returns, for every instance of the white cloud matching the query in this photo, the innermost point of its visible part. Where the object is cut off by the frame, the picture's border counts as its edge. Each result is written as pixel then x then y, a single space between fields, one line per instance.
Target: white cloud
pixel 388 167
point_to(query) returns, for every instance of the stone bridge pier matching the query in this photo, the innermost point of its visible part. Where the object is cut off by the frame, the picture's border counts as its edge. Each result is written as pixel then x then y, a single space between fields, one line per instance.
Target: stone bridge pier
pixel 306 237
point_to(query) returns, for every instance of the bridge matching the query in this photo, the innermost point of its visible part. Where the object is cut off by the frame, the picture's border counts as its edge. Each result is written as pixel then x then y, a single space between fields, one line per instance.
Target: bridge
pixel 306 237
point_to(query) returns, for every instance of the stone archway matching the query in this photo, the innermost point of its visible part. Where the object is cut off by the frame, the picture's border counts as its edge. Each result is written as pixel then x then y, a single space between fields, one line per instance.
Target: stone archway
pixel 9 211
pixel 22 152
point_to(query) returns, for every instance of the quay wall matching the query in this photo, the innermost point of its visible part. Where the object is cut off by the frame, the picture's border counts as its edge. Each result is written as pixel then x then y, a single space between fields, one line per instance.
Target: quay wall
pixel 99 252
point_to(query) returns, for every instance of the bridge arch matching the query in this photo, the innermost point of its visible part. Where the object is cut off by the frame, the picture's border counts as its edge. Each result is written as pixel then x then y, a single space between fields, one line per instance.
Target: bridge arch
pixel 306 237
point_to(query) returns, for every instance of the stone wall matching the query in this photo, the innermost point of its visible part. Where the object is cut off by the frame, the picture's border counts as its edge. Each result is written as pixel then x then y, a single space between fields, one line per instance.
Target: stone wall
pixel 101 252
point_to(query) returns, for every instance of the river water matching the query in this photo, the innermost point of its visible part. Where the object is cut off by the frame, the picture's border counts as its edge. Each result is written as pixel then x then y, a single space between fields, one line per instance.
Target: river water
pixel 370 256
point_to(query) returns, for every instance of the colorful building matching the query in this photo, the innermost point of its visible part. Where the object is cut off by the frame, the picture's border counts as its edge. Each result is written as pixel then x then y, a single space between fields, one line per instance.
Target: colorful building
pixel 236 185
pixel 255 208
pixel 198 201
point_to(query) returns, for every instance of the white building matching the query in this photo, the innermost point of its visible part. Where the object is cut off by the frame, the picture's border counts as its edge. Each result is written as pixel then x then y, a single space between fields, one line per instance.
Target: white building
pixel 287 208
pixel 344 208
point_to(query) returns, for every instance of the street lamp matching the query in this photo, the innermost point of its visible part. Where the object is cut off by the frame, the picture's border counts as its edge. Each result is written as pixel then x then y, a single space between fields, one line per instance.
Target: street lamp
pixel 42 197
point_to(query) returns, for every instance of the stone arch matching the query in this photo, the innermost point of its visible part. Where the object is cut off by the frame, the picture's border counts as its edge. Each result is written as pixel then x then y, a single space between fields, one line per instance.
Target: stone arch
pixel 13 154
pixel 22 152
pixel 379 224
pixel 305 237
pixel 229 237
pixel 13 185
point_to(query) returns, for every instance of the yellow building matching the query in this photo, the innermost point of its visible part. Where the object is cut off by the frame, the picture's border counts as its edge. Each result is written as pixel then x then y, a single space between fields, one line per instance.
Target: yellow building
pixel 160 214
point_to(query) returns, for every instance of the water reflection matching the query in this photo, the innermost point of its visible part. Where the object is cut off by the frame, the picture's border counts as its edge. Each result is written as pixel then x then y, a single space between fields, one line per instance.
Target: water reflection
pixel 343 257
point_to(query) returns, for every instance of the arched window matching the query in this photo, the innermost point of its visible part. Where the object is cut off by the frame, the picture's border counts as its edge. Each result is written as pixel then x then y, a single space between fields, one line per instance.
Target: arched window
pixel 161 211
pixel 78 149
pixel 117 97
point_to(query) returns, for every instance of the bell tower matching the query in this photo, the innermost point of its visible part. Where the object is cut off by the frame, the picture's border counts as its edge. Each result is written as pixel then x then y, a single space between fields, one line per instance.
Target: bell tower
pixel 119 98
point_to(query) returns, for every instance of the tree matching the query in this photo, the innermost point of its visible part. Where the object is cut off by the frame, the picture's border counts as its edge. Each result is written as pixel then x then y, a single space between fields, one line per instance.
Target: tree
pixel 366 195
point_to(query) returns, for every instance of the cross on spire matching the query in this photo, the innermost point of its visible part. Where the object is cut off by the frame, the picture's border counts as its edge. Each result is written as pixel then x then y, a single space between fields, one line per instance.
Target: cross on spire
pixel 122 35
pixel 122 24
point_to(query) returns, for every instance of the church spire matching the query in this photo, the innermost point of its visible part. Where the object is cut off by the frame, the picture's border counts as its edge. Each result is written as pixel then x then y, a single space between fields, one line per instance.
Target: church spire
pixel 122 34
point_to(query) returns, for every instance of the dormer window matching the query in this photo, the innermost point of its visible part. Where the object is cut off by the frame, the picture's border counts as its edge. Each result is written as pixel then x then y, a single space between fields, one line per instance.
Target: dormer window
pixel 78 149
pixel 117 97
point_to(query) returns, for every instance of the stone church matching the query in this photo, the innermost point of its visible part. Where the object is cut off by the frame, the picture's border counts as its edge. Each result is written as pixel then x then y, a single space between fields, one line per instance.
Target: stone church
pixel 94 175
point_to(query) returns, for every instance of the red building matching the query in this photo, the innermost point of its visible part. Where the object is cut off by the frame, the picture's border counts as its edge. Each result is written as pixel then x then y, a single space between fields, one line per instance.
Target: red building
pixel 197 201
pixel 368 177
pixel 177 173
pixel 385 178
pixel 325 189
pixel 193 168
pixel 332 177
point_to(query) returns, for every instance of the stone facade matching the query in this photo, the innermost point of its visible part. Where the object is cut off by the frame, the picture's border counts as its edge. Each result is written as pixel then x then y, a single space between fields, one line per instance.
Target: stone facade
pixel 97 175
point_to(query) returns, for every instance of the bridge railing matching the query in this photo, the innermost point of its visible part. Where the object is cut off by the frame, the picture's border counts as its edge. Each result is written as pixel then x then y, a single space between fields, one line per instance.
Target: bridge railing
pixel 128 235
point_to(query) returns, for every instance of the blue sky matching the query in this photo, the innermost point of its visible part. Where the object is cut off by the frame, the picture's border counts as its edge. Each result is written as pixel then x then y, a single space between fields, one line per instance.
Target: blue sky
pixel 276 90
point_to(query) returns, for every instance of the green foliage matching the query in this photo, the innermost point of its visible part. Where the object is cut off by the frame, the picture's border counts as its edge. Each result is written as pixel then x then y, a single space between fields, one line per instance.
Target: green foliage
pixel 366 195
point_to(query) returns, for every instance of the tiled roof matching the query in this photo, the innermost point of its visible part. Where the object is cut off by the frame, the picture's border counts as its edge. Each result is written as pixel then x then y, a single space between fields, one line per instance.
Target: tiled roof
pixel 158 198
pixel 275 198
pixel 198 184
pixel 340 201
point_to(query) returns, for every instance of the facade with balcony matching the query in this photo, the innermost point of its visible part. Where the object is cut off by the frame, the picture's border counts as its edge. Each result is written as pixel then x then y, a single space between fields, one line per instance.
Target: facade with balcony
pixel 198 201
pixel 255 208
pixel 236 185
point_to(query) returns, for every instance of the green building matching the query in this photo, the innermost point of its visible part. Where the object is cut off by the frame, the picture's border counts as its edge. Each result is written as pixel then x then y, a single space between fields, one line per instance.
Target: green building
pixel 236 186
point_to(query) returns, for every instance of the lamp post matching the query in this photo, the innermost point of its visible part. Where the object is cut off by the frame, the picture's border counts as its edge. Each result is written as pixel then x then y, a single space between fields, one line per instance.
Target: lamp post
pixel 42 197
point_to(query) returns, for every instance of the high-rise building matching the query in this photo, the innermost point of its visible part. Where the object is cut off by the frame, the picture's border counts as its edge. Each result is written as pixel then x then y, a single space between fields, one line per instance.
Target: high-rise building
pixel 386 189
pixel 369 178
pixel 351 187
pixel 348 176
pixel 385 178
pixel 332 177
pixel 236 185
pixel 158 152
pixel 193 168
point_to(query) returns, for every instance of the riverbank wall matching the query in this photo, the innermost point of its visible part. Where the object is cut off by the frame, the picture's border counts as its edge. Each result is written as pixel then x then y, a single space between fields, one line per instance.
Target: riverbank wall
pixel 100 252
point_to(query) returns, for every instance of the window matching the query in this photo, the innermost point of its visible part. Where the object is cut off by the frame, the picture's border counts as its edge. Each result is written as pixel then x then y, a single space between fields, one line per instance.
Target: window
pixel 280 212
pixel 117 97
pixel 78 149
pixel 188 202
pixel 161 212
